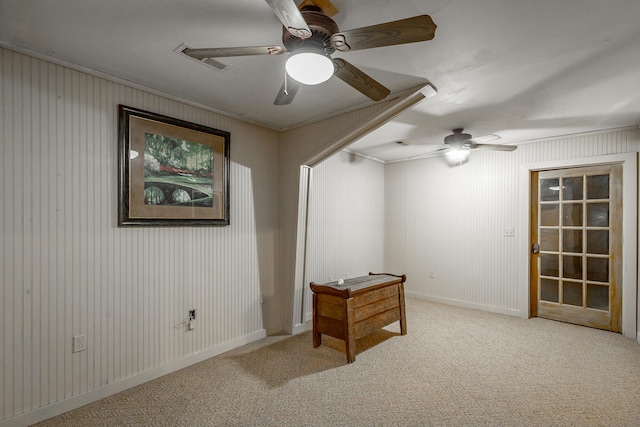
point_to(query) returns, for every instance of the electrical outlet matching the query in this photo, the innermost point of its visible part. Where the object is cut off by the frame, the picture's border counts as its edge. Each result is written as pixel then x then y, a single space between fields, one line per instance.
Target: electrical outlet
pixel 331 278
pixel 192 314
pixel 432 274
pixel 79 343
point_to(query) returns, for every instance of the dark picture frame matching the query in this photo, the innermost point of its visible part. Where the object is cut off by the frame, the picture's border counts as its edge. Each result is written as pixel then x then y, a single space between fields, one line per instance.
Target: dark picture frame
pixel 171 172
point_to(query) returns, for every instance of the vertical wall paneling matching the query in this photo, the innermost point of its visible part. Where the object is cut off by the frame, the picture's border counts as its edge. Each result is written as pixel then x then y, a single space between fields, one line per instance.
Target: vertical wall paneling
pixel 6 356
pixel 345 221
pixel 453 219
pixel 395 220
pixel 67 269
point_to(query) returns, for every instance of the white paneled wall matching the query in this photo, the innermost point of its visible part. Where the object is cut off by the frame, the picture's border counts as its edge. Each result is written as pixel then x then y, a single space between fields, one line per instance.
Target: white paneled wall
pixel 450 222
pixel 346 220
pixel 67 269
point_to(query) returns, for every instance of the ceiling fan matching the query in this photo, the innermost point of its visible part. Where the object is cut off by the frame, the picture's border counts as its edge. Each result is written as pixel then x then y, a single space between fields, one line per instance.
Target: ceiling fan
pixel 310 37
pixel 458 146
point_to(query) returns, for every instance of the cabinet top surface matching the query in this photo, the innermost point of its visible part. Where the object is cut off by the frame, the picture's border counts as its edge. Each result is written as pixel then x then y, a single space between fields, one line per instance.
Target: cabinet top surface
pixel 355 284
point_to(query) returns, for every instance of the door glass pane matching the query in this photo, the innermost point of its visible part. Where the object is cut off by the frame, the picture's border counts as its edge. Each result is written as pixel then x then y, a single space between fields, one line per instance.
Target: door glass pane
pixel 598 187
pixel 598 297
pixel 598 269
pixel 572 241
pixel 550 190
pixel 549 214
pixel 572 293
pixel 549 240
pixel 597 241
pixel 572 267
pixel 572 214
pixel 572 188
pixel 598 214
pixel 549 265
pixel 549 290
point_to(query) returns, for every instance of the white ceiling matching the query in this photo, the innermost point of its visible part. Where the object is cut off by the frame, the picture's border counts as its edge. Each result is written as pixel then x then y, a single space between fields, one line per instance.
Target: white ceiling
pixel 521 69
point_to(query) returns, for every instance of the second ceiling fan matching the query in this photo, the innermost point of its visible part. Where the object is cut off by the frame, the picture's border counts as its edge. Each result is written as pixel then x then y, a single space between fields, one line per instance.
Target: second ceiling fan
pixel 458 146
pixel 310 36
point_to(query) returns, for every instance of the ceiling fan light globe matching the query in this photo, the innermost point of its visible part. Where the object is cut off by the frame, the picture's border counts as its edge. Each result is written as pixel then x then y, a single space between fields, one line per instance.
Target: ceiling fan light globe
pixel 458 156
pixel 310 68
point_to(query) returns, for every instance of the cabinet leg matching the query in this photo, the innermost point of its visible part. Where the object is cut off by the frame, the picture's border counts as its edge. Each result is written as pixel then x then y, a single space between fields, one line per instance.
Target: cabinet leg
pixel 317 338
pixel 403 316
pixel 350 344
pixel 350 341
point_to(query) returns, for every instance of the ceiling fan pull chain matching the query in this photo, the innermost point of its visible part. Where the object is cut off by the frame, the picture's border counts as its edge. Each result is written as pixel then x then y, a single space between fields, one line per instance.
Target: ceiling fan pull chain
pixel 286 90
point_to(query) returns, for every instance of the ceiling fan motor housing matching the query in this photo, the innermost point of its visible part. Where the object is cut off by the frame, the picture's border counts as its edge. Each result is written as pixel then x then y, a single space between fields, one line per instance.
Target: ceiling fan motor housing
pixel 322 28
pixel 457 139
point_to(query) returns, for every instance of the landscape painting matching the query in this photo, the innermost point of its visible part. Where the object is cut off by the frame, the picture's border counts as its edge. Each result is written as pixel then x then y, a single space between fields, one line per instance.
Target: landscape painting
pixel 177 172
pixel 172 172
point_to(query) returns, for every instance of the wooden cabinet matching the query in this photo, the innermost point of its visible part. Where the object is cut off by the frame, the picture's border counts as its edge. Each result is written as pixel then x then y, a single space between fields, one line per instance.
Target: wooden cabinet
pixel 357 307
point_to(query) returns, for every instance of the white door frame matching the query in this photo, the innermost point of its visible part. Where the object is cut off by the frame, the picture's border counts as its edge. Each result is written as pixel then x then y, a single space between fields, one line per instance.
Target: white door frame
pixel 629 163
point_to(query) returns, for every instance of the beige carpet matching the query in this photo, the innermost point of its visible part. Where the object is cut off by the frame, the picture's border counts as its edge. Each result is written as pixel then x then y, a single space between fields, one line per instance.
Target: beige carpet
pixel 456 367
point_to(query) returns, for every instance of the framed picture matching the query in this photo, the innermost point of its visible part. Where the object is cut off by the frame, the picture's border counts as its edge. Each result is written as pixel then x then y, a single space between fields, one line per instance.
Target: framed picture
pixel 172 172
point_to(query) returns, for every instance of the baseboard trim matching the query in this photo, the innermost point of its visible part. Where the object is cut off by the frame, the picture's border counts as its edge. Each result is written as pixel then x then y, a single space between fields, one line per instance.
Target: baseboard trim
pixel 55 409
pixel 466 304
pixel 299 328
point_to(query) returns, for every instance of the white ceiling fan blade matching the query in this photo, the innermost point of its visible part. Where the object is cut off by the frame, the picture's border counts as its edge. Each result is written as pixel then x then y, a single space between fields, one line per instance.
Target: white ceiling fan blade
pixel 427 143
pixel 453 156
pixel 495 147
pixel 432 153
pixel 485 138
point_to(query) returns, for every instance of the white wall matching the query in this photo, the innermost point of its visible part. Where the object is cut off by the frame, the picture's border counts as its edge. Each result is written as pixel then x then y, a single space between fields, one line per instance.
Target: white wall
pixel 67 269
pixel 345 220
pixel 452 220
